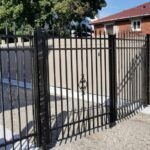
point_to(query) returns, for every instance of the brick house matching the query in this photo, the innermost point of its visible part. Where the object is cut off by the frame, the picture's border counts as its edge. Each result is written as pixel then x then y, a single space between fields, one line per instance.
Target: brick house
pixel 134 19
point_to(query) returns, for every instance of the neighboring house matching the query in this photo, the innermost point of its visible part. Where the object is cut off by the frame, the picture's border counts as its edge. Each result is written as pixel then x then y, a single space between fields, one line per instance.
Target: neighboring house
pixel 134 19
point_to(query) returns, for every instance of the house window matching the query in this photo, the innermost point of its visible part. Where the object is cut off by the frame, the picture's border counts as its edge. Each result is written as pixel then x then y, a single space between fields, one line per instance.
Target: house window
pixel 136 25
pixel 109 28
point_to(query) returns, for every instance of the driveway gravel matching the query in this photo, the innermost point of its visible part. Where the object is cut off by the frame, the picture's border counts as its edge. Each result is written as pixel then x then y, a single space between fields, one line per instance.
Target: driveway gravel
pixel 132 133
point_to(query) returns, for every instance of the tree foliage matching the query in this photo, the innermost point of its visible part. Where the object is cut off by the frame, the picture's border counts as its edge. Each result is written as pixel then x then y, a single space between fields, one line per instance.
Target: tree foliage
pixel 14 14
pixel 77 9
pixel 24 15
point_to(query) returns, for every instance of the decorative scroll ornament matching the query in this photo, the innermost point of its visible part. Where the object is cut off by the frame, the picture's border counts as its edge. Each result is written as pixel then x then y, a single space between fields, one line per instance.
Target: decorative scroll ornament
pixel 82 84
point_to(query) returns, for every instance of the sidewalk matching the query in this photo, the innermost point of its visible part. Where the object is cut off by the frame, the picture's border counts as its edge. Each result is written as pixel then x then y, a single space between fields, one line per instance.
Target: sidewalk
pixel 130 134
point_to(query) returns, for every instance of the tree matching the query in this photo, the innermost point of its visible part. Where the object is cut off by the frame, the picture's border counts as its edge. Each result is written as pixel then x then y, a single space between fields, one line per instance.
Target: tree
pixel 24 15
pixel 14 15
pixel 77 9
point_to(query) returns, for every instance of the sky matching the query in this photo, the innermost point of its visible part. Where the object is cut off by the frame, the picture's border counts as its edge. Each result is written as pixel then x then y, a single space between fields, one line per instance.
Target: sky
pixel 114 6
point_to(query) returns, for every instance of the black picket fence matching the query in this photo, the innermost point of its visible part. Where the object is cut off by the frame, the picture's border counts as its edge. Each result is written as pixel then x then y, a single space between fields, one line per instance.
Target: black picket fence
pixel 53 88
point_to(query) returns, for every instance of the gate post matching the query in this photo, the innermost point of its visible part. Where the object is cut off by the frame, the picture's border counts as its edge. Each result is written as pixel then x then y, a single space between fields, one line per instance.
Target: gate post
pixel 148 68
pixel 112 79
pixel 41 88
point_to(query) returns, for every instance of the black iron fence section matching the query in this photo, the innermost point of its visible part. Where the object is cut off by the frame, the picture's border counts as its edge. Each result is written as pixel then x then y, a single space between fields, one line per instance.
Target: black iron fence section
pixel 55 87
pixel 17 129
pixel 131 72
pixel 79 85
pixel 92 81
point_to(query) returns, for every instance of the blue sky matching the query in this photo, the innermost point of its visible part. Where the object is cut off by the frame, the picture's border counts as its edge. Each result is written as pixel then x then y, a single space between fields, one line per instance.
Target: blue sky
pixel 114 6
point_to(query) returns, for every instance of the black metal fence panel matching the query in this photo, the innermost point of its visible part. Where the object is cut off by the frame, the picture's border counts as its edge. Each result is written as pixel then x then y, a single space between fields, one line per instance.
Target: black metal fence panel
pixel 131 72
pixel 93 81
pixel 79 85
pixel 55 87
pixel 16 97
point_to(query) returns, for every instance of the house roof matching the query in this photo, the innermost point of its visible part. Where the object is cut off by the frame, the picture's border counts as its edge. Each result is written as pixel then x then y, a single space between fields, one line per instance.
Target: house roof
pixel 141 10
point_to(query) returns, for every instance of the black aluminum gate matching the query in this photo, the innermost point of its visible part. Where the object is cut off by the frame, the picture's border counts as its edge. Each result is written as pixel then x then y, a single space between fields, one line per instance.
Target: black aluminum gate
pixel 17 111
pixel 85 83
pixel 132 50
pixel 55 88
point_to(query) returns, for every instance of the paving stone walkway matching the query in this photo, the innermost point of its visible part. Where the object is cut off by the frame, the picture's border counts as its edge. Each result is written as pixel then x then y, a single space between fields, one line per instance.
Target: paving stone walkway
pixel 130 134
